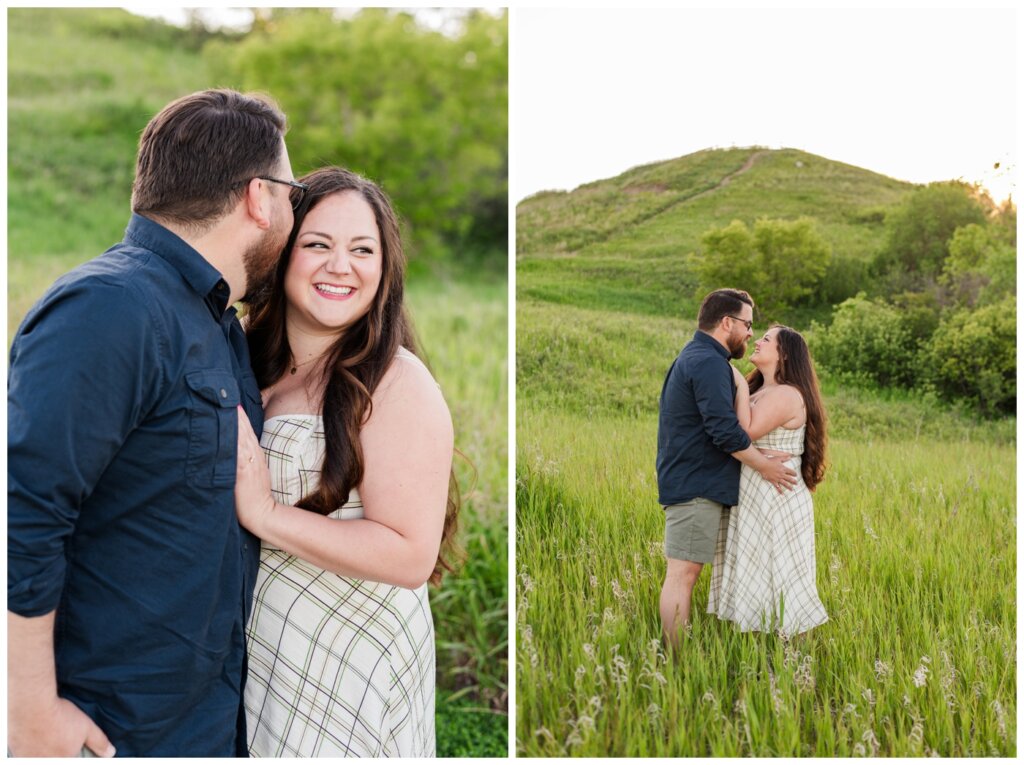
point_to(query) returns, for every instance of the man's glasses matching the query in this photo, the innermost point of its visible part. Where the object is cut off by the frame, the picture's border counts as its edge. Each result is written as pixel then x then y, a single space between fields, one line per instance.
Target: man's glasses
pixel 747 324
pixel 302 187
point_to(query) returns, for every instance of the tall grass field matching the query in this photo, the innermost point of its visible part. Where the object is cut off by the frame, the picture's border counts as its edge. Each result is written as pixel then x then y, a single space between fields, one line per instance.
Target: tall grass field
pixel 916 568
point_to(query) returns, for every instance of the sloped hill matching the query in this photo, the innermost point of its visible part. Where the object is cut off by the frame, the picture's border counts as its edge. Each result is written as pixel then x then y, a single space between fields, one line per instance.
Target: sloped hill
pixel 621 243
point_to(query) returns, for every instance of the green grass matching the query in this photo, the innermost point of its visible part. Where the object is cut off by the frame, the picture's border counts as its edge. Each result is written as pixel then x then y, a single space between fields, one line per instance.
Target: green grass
pixel 463 331
pixel 916 568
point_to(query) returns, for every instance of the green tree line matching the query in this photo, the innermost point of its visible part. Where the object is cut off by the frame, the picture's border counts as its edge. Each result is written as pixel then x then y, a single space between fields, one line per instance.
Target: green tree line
pixel 422 112
pixel 933 310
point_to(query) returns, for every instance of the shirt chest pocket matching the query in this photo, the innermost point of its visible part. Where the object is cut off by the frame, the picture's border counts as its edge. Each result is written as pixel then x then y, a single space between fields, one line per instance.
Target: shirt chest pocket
pixel 213 428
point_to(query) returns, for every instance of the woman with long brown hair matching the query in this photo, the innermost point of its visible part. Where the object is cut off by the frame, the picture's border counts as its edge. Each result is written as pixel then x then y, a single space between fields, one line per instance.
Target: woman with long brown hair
pixel 358 500
pixel 764 569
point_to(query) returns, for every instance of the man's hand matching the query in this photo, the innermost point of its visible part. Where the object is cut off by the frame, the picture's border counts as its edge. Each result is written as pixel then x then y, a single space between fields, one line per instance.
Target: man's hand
pixel 780 476
pixel 58 731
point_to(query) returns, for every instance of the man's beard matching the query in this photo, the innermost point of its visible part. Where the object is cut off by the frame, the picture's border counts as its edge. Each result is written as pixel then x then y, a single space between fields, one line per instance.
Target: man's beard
pixel 260 262
pixel 737 347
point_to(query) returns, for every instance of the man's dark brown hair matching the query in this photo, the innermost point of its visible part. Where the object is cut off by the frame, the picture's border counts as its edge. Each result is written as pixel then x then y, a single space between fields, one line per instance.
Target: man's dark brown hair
pixel 719 304
pixel 196 155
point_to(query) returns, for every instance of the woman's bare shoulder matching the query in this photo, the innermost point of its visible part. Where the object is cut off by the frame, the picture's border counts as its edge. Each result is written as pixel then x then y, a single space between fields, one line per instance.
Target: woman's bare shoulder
pixel 409 383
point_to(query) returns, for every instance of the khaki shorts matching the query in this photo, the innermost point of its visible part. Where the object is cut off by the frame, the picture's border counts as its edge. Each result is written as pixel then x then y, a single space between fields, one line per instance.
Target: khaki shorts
pixel 691 529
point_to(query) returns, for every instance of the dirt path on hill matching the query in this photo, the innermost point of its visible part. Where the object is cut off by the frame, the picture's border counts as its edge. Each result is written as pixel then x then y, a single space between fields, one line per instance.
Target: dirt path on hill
pixel 728 179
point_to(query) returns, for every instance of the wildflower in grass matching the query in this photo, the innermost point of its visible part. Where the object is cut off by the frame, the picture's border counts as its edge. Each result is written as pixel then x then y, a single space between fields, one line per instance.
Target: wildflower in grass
pixel 871 740
pixel 544 733
pixel 740 707
pixel 859 750
pixel 921 673
pixel 586 722
pixel 867 527
pixel 917 731
pixel 882 671
pixel 775 693
pixel 948 681
pixel 588 649
pixel 1000 718
pixel 709 698
pixel 833 570
pixel 580 672
pixel 593 581
pixel 653 711
pixel 573 739
pixel 617 590
pixel 868 696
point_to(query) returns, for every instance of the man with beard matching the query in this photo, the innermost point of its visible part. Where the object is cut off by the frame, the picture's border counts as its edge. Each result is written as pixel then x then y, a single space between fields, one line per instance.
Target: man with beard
pixel 700 446
pixel 129 577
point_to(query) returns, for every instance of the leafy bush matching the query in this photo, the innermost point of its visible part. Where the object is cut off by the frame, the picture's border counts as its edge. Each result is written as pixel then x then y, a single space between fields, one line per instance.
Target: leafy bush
pixel 973 355
pixel 919 230
pixel 421 112
pixel 844 278
pixel 868 341
pixel 780 262
pixel 982 266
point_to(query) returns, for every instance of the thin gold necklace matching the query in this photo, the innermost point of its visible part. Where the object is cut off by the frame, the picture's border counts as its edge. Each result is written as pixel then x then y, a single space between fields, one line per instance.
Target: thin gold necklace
pixel 295 367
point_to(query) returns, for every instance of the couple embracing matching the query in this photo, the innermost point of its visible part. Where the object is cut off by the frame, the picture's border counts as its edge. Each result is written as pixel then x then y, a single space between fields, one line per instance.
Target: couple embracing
pixel 220 531
pixel 737 461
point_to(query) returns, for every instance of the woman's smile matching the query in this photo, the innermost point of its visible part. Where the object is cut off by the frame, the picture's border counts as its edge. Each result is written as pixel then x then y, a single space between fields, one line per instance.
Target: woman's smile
pixel 334 291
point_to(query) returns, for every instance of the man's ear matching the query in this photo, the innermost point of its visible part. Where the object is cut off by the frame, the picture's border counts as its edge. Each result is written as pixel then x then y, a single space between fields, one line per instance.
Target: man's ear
pixel 257 203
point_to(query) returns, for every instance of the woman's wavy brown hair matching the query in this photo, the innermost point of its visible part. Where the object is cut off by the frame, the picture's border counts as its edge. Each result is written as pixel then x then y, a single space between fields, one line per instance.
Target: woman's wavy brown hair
pixel 356 362
pixel 796 368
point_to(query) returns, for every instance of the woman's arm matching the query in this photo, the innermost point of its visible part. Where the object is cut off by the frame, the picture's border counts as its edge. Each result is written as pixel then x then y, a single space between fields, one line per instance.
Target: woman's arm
pixel 407 453
pixel 781 405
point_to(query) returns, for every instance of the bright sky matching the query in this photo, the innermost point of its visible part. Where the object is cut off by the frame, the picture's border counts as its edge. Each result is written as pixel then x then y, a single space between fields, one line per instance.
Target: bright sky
pixel 918 95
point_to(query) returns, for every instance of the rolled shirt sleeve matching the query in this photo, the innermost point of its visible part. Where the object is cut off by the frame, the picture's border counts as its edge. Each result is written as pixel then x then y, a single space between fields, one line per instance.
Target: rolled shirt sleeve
pixel 714 394
pixel 82 369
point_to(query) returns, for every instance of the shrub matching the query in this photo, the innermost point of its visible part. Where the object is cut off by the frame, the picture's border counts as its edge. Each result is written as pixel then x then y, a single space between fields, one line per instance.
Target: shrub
pixel 844 278
pixel 868 341
pixel 973 355
pixel 919 230
pixel 780 262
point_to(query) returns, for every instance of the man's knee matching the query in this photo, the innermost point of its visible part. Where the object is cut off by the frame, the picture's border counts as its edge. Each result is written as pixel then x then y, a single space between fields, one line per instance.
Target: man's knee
pixel 682 573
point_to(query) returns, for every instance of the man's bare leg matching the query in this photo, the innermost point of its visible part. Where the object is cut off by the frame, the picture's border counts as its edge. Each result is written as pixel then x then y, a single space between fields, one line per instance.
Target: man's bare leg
pixel 680 576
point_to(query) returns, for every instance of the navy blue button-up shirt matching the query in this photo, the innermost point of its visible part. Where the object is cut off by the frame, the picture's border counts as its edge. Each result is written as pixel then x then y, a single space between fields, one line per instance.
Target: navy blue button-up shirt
pixel 697 427
pixel 122 416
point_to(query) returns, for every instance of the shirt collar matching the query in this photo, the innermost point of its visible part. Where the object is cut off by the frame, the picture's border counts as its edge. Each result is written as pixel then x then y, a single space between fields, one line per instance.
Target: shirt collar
pixel 706 339
pixel 195 269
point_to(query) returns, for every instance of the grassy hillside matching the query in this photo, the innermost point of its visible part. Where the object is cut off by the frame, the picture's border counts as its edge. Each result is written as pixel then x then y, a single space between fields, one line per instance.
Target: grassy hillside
pixel 621 243
pixel 73 121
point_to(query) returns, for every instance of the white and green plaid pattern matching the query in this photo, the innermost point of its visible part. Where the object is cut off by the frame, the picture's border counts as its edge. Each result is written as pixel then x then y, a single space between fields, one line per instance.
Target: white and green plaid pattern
pixel 337 666
pixel 763 575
